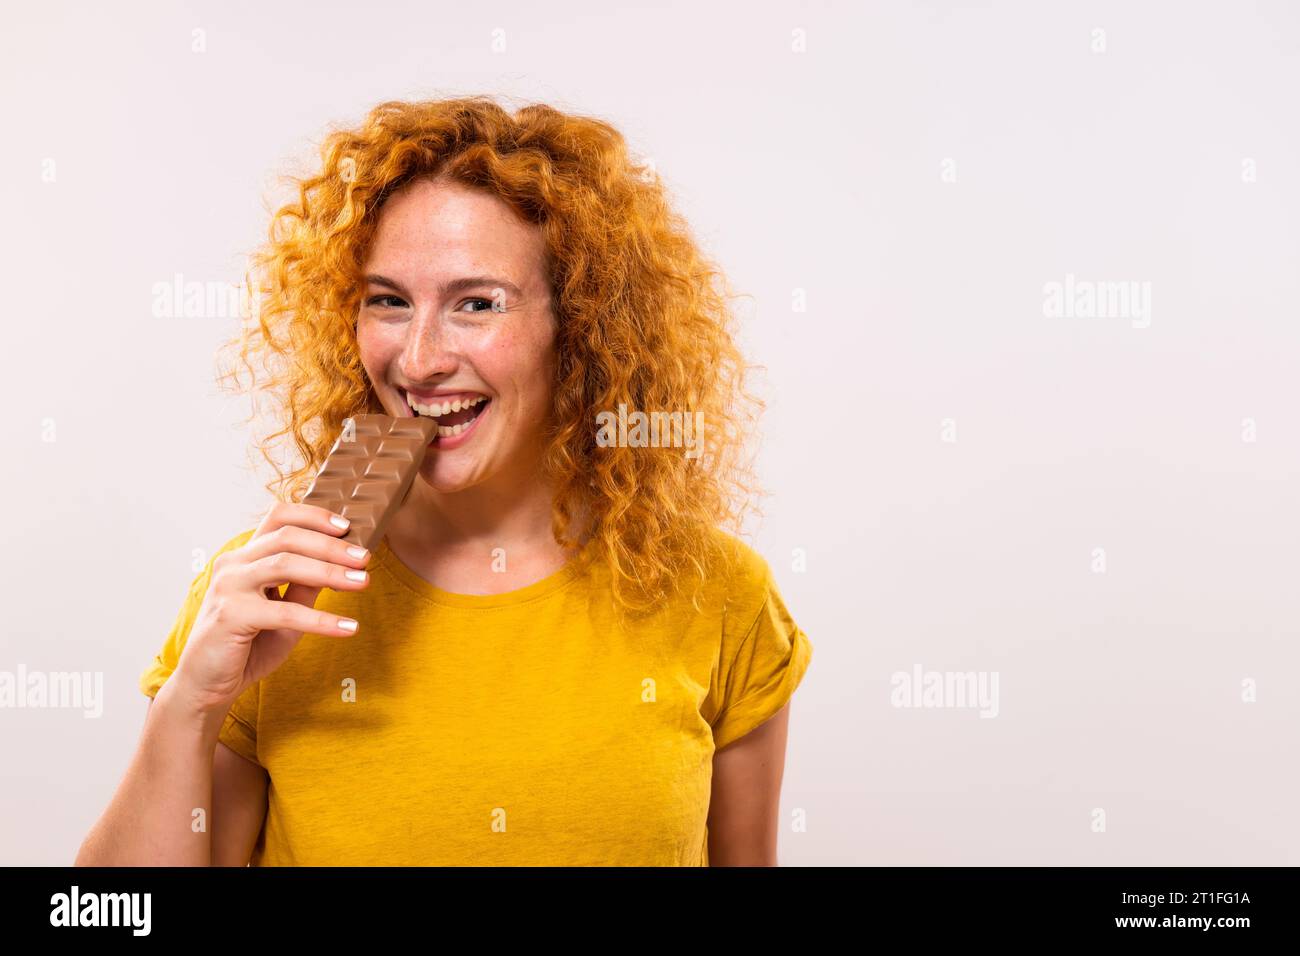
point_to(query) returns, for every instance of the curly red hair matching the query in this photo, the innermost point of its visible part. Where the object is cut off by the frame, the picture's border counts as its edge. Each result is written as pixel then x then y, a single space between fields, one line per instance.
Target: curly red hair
pixel 643 321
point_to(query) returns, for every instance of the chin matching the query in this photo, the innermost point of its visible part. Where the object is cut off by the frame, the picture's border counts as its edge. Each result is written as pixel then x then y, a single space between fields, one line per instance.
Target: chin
pixel 446 480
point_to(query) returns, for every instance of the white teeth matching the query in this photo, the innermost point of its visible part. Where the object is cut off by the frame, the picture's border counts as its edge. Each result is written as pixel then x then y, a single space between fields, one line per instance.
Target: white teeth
pixel 438 409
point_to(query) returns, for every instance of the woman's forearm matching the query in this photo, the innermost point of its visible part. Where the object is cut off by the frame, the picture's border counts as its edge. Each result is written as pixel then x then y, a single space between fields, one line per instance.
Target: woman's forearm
pixel 160 814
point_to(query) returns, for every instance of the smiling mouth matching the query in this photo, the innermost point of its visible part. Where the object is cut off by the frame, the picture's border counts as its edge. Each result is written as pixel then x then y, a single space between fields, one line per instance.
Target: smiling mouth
pixel 453 417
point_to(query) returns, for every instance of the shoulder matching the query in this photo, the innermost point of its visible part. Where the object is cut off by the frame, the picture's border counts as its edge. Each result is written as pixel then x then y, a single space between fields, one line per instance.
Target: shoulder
pixel 746 567
pixel 742 579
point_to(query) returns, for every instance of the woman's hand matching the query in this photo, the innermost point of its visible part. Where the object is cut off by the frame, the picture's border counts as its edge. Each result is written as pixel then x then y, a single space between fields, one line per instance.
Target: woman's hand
pixel 244 629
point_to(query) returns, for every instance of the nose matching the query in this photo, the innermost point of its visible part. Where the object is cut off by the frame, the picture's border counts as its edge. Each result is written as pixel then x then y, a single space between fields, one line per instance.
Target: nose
pixel 427 352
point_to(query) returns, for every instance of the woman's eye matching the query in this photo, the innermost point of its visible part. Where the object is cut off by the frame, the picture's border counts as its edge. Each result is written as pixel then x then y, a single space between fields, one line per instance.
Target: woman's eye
pixel 397 302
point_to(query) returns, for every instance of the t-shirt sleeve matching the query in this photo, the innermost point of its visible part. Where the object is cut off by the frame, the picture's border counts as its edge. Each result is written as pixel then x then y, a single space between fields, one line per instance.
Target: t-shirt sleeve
pixel 239 730
pixel 764 656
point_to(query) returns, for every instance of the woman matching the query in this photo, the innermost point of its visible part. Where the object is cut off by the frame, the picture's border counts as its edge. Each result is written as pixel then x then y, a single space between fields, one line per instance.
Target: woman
pixel 557 656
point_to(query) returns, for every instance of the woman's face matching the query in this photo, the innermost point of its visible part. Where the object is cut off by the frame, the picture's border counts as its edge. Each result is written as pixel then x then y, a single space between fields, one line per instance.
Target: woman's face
pixel 457 307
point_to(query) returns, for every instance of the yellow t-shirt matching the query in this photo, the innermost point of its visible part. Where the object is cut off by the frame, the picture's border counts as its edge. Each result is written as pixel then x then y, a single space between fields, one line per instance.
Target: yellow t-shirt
pixel 514 729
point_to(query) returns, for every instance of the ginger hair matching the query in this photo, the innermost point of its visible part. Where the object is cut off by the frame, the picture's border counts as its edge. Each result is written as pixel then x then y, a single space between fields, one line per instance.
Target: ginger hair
pixel 643 320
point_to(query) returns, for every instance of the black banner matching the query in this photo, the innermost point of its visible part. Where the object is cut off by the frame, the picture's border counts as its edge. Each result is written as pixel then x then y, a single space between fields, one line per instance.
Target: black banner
pixel 986 904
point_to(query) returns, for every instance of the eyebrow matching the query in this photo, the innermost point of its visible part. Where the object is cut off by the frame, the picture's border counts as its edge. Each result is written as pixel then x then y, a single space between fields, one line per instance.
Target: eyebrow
pixel 463 284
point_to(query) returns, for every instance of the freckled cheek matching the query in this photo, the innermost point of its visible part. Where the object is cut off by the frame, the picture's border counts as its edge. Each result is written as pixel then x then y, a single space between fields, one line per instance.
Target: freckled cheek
pixel 496 354
pixel 516 363
pixel 376 349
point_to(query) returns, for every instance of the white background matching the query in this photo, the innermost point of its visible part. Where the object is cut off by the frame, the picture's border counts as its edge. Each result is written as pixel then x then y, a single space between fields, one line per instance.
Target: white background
pixel 820 171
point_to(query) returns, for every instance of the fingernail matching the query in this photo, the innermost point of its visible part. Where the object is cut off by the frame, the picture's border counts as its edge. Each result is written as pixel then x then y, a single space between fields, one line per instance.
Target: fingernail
pixel 357 552
pixel 356 575
pixel 339 522
pixel 348 624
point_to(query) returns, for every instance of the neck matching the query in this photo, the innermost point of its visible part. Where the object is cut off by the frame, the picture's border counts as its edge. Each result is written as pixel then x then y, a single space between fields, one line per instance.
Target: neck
pixel 445 537
pixel 504 512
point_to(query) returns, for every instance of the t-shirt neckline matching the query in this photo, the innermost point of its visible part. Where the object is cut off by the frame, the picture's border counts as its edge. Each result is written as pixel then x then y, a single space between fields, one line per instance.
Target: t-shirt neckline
pixel 386 559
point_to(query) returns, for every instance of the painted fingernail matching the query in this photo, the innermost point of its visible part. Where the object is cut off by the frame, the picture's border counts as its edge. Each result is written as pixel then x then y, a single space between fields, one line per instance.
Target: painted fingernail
pixel 356 575
pixel 348 624
pixel 339 522
pixel 357 553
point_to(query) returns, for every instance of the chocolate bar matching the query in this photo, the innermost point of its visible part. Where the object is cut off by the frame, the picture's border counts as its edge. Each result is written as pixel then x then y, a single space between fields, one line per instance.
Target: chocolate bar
pixel 370 470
